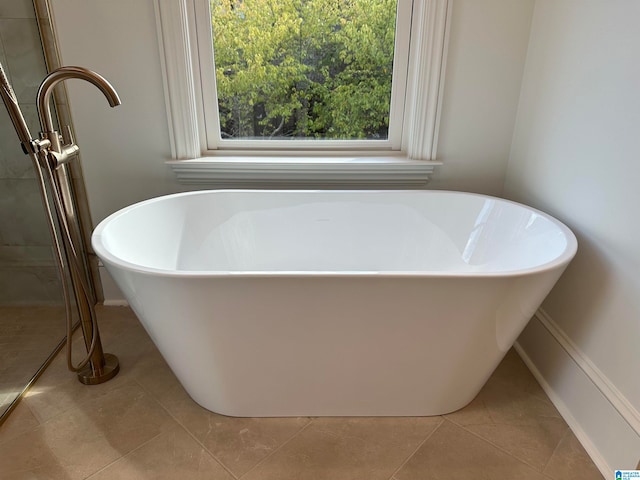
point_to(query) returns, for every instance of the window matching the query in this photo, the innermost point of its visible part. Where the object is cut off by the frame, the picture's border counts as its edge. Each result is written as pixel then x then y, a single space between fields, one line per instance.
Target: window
pixel 308 70
pixel 303 92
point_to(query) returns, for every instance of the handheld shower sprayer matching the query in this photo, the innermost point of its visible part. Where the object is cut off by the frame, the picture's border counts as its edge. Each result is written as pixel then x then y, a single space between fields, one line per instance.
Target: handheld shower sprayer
pixel 11 102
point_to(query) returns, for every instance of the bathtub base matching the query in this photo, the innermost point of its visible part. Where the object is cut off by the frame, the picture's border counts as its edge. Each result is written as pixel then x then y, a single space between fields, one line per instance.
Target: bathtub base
pixel 283 347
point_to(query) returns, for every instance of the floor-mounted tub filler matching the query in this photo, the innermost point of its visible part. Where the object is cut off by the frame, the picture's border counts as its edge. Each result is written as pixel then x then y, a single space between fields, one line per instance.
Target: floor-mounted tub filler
pixel 320 303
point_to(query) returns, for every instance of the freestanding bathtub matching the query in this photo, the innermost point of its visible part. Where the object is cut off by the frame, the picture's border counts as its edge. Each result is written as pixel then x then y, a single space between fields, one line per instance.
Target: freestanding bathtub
pixel 321 303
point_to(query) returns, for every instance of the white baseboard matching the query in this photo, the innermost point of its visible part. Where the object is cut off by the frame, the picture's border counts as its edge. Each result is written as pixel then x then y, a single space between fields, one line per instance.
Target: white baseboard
pixel 112 295
pixel 603 420
pixel 599 379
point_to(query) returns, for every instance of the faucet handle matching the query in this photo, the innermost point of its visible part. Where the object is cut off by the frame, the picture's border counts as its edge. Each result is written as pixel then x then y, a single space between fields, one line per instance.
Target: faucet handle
pixel 61 154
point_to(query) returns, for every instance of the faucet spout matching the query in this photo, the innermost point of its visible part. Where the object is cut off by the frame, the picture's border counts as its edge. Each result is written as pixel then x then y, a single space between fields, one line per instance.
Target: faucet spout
pixel 64 73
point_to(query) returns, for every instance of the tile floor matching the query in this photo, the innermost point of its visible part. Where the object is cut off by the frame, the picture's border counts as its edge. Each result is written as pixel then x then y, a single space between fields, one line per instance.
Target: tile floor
pixel 142 425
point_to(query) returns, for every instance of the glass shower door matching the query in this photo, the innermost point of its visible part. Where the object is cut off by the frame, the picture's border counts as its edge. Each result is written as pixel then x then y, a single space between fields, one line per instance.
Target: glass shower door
pixel 32 320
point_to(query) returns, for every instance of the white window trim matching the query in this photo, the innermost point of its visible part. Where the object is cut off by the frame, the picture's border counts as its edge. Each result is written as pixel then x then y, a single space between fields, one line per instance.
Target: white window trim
pixel 409 168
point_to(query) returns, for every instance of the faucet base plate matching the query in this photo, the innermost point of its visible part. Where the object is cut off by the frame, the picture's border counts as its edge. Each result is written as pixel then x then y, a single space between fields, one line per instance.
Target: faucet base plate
pixel 90 377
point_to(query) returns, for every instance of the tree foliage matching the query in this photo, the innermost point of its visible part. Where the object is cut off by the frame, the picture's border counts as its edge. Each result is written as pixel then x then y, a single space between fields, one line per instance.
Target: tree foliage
pixel 304 68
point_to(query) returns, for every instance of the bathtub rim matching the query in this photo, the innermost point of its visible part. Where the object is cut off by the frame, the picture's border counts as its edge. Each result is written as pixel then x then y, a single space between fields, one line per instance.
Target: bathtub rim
pixel 561 261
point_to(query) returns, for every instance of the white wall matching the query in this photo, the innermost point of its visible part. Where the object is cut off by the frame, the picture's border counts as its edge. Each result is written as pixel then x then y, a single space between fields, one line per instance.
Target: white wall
pixel 124 149
pixel 576 155
pixel 487 50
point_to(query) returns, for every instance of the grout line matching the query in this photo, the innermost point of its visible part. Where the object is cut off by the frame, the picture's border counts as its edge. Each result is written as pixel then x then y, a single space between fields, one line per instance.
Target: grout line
pixel 556 449
pixel 499 447
pixel 175 419
pixel 25 403
pixel 122 457
pixel 218 461
pixel 487 409
pixel 278 449
pixel 559 403
pixel 417 448
pixel 21 433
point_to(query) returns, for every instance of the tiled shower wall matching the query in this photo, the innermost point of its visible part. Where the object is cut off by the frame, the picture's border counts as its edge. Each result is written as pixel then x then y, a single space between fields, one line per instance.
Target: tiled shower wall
pixel 27 271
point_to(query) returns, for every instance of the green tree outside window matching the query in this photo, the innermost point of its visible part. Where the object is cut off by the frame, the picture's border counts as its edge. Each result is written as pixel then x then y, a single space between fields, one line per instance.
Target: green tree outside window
pixel 304 69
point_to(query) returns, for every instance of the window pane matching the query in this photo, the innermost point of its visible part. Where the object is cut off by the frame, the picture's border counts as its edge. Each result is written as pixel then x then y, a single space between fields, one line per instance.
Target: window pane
pixel 304 69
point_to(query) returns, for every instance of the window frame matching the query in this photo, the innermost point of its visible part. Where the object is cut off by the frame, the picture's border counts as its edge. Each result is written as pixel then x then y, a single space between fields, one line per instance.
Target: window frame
pixel 206 55
pixel 405 161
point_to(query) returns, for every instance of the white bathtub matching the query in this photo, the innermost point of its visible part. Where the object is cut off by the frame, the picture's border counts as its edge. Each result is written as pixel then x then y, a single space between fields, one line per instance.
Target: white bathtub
pixel 315 303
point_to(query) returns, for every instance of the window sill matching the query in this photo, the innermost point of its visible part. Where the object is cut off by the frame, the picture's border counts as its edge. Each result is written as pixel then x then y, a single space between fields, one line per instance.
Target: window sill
pixel 304 172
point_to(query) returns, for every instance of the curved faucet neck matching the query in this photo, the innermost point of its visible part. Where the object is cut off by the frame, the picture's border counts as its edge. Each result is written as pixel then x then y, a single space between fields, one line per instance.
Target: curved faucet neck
pixel 64 73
